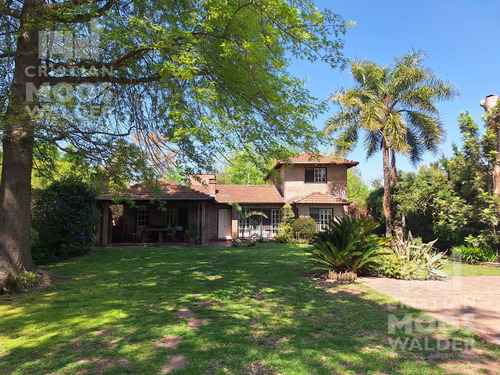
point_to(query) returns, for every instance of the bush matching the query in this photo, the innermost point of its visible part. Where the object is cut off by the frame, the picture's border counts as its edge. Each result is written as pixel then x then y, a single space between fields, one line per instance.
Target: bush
pixel 347 245
pixel 474 254
pixel 304 228
pixel 19 281
pixel 412 259
pixel 63 217
pixel 282 238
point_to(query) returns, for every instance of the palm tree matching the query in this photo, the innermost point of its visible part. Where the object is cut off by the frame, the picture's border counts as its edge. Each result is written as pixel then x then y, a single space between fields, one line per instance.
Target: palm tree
pixel 394 106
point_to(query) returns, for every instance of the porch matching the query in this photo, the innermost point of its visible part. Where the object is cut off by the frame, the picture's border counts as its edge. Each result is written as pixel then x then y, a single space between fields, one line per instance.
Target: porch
pixel 156 222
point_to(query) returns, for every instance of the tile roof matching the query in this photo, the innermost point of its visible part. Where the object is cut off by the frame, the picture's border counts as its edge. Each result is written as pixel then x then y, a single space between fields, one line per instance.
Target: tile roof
pixel 310 158
pixel 248 194
pixel 320 198
pixel 166 190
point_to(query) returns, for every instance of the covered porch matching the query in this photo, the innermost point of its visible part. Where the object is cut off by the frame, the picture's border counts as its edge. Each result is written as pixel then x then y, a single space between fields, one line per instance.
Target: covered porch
pixel 176 215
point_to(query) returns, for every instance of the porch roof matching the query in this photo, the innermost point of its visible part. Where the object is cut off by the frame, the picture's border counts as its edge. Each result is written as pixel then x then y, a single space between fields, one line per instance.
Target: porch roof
pixel 320 198
pixel 163 190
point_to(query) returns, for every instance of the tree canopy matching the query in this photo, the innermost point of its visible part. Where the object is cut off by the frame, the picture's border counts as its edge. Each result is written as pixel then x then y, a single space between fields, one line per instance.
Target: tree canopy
pixel 112 80
pixel 395 107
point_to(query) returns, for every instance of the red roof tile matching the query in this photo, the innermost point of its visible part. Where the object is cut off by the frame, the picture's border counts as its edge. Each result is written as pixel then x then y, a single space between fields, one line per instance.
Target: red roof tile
pixel 248 194
pixel 165 190
pixel 320 198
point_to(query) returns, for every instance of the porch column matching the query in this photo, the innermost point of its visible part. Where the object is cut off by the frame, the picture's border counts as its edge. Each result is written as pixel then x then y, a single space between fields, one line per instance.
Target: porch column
pixel 203 224
pixel 104 223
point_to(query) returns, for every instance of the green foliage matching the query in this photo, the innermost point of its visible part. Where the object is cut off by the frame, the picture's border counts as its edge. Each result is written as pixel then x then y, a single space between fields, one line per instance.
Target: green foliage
pixel 63 216
pixel 245 167
pixel 358 193
pixel 304 228
pixel 22 280
pixel 473 255
pixel 282 238
pixel 212 77
pixel 394 106
pixel 374 208
pixel 412 259
pixel 191 232
pixel 347 245
pixel 453 199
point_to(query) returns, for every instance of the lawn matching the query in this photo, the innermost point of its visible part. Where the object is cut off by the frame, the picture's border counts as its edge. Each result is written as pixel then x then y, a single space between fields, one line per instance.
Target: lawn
pixel 464 269
pixel 221 310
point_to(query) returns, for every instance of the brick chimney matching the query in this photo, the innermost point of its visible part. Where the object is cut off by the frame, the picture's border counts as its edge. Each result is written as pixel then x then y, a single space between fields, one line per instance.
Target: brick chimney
pixel 211 185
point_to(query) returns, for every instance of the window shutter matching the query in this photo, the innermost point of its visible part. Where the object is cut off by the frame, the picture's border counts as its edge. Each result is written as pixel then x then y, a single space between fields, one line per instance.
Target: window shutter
pixel 309 176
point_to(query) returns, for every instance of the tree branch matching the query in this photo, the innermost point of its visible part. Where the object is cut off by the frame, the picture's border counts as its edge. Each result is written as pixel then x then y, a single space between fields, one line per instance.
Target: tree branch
pixel 78 18
pixel 7 54
pixel 103 79
pixel 5 10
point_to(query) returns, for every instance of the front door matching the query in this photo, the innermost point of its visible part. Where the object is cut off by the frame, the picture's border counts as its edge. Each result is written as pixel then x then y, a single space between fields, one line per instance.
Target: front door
pixel 225 223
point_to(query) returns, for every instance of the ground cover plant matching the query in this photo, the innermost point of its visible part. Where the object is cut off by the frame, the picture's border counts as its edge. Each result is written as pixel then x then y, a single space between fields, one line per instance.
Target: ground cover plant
pixel 469 254
pixel 213 310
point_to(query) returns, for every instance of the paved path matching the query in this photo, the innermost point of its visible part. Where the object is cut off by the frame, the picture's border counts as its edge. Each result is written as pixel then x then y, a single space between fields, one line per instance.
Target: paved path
pixel 466 302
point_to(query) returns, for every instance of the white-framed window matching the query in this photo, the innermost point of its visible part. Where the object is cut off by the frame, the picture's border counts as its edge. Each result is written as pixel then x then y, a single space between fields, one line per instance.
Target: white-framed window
pixel 171 217
pixel 322 216
pixel 276 216
pixel 319 175
pixel 142 216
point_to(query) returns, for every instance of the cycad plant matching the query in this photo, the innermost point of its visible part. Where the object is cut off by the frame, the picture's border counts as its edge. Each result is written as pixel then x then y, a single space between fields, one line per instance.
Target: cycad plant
pixel 347 244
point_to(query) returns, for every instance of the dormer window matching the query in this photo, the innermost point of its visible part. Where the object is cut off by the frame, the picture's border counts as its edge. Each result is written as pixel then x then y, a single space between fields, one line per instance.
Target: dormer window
pixel 315 175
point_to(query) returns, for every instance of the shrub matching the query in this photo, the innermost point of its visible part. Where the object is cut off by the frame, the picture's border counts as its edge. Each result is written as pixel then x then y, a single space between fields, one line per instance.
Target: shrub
pixel 412 259
pixel 474 254
pixel 304 228
pixel 282 238
pixel 63 217
pixel 19 281
pixel 347 245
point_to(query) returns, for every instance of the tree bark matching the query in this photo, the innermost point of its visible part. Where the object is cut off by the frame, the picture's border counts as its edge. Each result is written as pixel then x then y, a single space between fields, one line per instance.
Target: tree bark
pixel 386 204
pixel 394 175
pixel 17 142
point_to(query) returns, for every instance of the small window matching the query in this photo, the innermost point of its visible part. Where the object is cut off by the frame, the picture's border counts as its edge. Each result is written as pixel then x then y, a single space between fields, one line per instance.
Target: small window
pixel 171 217
pixel 315 175
pixel 142 217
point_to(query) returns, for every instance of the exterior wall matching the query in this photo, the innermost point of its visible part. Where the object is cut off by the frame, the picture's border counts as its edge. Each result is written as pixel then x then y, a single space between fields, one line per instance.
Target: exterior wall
pixel 295 187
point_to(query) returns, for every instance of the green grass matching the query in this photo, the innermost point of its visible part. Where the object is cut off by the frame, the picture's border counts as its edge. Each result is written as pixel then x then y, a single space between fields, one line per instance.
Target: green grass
pixel 464 269
pixel 117 303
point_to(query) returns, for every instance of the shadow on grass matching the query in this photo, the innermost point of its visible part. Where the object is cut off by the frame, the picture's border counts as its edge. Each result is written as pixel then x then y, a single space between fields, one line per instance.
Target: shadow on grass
pixel 264 318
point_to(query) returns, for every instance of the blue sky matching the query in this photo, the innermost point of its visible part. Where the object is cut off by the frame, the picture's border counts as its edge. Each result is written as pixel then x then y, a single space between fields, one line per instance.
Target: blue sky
pixel 460 37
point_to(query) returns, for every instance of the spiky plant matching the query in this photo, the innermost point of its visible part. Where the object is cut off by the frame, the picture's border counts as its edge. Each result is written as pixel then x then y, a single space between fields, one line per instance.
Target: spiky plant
pixel 347 244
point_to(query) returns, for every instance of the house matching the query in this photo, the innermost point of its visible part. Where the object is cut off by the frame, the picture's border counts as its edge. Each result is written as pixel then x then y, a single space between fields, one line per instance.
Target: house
pixel 314 185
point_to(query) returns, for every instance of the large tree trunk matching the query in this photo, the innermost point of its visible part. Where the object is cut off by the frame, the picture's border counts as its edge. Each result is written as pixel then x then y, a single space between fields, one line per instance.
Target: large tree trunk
pixel 17 141
pixel 386 204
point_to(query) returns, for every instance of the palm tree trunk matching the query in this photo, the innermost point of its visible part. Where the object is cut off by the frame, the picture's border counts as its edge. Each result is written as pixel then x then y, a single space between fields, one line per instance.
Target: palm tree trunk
pixel 386 203
pixel 394 175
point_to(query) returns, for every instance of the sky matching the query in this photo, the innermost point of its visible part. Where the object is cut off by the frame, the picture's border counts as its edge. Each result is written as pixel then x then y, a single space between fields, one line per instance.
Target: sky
pixel 461 39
